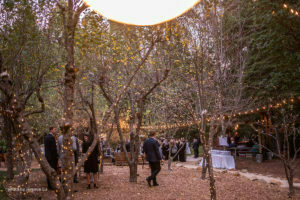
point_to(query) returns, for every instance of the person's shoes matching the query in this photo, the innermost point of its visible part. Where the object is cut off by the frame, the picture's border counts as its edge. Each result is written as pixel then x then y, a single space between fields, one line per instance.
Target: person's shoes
pixel 89 186
pixel 148 181
pixel 95 186
pixel 155 184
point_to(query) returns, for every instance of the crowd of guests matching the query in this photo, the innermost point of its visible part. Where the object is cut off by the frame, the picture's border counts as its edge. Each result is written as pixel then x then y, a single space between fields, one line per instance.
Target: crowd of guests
pixel 53 144
pixel 233 141
pixel 54 155
pixel 252 142
pixel 178 148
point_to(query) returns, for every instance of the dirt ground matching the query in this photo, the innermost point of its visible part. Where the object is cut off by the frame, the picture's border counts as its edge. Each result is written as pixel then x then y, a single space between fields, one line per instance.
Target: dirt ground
pixel 273 168
pixel 181 183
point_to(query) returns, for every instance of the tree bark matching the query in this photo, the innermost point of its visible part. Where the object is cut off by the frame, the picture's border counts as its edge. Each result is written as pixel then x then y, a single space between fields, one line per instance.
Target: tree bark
pixel 133 172
pixel 23 163
pixel 289 172
pixel 212 188
pixel 8 135
pixel 70 20
pixel 204 166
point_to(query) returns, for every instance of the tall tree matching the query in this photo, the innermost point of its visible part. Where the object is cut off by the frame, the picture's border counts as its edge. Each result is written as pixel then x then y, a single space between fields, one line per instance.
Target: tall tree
pixel 274 54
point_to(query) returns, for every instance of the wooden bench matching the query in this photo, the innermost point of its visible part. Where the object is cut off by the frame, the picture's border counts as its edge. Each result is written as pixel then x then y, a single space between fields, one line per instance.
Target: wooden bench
pixel 120 159
pixel 245 154
pixel 3 159
pixel 107 161
pixel 241 152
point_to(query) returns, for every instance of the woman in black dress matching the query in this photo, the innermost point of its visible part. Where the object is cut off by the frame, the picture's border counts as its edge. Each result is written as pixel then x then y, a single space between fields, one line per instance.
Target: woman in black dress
pixel 165 149
pixel 182 147
pixel 91 164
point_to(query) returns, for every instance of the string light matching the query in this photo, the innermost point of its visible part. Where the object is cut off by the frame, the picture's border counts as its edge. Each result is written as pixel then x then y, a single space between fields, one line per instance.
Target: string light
pixel 182 125
pixel 292 11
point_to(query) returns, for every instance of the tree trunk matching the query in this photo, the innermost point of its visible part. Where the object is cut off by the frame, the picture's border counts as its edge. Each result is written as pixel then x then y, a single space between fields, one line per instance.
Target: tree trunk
pixel 134 151
pixel 170 159
pixel 67 164
pixel 133 172
pixel 289 172
pixel 34 145
pixel 212 188
pixel 8 135
pixel 101 164
pixel 204 166
pixel 23 164
pixel 69 84
pixel 70 20
pixel 205 151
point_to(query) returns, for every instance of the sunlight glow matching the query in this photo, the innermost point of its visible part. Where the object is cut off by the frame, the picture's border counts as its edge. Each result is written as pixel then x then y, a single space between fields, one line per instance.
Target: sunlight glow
pixel 141 12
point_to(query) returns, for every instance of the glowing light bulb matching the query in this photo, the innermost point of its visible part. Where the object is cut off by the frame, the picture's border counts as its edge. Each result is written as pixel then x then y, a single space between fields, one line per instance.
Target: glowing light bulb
pixel 141 12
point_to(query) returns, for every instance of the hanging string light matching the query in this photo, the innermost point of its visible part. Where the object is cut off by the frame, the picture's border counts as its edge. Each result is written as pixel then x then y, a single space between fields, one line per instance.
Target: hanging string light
pixel 291 10
pixel 208 119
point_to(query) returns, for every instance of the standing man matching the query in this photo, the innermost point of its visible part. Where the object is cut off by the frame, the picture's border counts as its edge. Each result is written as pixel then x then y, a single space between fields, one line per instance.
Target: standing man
pixel 153 156
pixel 51 151
pixel 236 138
pixel 196 147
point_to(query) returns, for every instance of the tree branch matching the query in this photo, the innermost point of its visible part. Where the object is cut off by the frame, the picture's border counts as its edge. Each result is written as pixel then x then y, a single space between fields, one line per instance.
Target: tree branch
pixel 156 85
pixel 78 12
pixel 105 94
pixel 41 100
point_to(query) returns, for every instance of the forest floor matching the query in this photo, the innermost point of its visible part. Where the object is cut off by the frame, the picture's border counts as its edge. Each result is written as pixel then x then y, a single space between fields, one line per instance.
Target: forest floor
pixel 180 183
pixel 272 168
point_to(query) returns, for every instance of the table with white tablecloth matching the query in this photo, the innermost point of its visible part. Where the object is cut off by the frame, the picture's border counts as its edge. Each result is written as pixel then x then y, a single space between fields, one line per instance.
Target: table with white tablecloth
pixel 223 141
pixel 221 159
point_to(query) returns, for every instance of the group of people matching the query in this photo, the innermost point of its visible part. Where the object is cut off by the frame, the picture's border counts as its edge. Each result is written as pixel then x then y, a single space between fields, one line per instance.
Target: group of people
pixel 178 149
pixel 234 140
pixel 157 150
pixel 154 150
pixel 54 154
pixel 252 142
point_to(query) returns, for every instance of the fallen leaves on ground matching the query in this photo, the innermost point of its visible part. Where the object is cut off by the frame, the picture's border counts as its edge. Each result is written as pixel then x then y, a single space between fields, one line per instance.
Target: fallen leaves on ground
pixel 180 183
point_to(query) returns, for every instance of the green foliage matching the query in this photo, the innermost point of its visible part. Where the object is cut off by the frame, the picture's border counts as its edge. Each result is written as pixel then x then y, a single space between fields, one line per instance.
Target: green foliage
pixel 3 144
pixel 30 48
pixel 274 54
pixel 3 195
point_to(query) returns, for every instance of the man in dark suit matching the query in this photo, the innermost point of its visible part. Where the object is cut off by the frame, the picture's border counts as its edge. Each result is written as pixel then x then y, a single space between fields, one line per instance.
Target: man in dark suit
pixel 153 156
pixel 51 151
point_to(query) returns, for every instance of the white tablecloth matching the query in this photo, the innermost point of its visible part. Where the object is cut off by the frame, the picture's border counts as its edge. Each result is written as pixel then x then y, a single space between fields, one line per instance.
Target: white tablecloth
pixel 223 141
pixel 222 161
pixel 220 152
